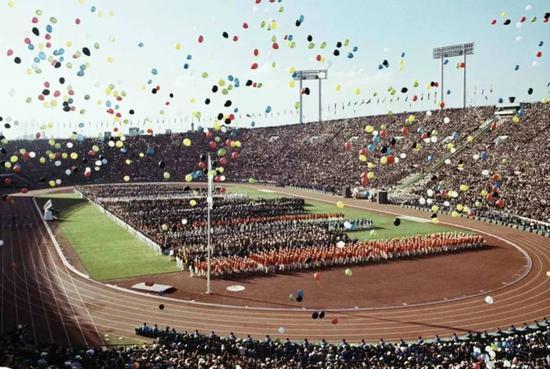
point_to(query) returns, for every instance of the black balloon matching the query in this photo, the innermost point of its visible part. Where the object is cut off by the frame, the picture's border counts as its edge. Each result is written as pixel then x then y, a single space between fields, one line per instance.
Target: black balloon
pixel 336 52
pixel 315 315
pixel 36 31
pixel 214 88
pixel 86 51
pixel 396 222
pixel 162 164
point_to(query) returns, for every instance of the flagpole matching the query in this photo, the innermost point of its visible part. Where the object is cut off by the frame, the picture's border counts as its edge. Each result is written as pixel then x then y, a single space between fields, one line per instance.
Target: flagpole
pixel 208 207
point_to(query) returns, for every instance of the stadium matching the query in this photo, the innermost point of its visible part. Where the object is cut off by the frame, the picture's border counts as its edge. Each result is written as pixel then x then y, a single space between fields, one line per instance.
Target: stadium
pixel 268 184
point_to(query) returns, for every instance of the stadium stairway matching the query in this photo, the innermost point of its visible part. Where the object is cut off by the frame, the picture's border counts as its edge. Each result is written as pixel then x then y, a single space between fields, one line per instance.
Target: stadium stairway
pixel 481 132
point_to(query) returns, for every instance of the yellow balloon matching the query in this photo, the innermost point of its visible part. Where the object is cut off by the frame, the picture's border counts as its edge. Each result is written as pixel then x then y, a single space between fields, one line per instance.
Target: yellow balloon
pixel 42 160
pixel 166 175
pixel 193 202
pixel 358 91
pixel 435 208
pixel 292 84
pixel 178 46
pixel 51 183
pixel 454 214
pixel 186 142
pixel 340 204
pixel 515 119
pixel 464 187
pixel 14 159
pixel 188 178
pixel 74 155
pixel 370 175
pixel 383 160
pixel 338 87
pixel 126 178
pixel 435 220
pixel 459 207
pixel 362 157
pixel 369 129
pixel 119 144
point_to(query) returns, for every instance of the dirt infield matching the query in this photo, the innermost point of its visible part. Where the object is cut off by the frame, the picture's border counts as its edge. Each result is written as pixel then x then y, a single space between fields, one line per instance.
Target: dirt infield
pixel 61 306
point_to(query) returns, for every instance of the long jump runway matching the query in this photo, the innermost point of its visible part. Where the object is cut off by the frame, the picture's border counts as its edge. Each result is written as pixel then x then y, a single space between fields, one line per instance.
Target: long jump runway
pixel 59 306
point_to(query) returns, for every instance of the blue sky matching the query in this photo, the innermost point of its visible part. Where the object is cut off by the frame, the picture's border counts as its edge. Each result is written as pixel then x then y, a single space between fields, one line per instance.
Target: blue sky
pixel 381 30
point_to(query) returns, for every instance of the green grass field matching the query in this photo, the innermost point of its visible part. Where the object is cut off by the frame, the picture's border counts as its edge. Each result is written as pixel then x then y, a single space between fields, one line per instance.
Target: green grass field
pixel 384 227
pixel 107 251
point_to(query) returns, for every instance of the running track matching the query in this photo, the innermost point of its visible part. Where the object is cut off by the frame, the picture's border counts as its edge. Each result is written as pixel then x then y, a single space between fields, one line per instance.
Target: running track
pixel 60 306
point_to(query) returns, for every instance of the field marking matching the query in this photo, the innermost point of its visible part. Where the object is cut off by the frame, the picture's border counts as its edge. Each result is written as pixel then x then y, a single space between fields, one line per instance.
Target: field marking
pixel 416 219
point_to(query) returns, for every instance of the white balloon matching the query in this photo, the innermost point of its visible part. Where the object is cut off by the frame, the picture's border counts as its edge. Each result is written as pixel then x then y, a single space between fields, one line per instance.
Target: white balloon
pixel 489 300
pixel 447 161
pixel 446 120
pixel 281 330
pixel 475 157
pixel 184 221
pixel 340 244
pixel 430 192
pixel 485 172
pixel 1 243
pixel 428 113
pixel 403 155
pixel 429 201
pixel 422 201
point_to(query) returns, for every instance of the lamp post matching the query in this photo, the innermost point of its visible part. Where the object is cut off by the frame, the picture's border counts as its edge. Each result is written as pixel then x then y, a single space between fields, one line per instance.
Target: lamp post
pixel 209 202
pixel 442 53
pixel 301 75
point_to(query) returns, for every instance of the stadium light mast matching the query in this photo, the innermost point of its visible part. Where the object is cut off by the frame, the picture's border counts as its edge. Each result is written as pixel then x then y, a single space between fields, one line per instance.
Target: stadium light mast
pixel 451 51
pixel 209 202
pixel 301 75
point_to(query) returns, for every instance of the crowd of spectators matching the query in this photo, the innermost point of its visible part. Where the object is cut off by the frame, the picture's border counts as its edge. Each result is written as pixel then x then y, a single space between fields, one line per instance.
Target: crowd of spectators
pixel 517 348
pixel 313 155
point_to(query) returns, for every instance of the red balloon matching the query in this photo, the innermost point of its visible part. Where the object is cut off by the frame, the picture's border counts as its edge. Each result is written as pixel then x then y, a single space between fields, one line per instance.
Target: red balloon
pixel 500 203
pixel 7 180
pixel 391 159
pixel 539 54
pixel 234 155
pixel 318 57
pixel 235 38
pixel 415 98
pixel 442 104
pixel 405 131
pixel 256 52
pixel 254 66
pixel 24 190
pixel 17 168
pixel 201 39
pixel 245 25
pixel 522 19
pixel 383 133
pixel 334 321
pixel 275 46
pixel 202 164
pixel 363 152
pixel 317 276
pixel 37 135
pixel 347 146
pixel 494 21
pixel 364 181
pixel 212 145
pixel 223 161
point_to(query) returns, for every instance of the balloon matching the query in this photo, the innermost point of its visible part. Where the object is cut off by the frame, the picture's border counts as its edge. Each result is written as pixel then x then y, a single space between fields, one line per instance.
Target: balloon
pixel 489 300
pixel 315 315
pixel 396 222
pixel 340 204
pixel 334 321
pixel 348 272
pixel 161 306
pixel 281 330
pixel 291 297
pixel 317 276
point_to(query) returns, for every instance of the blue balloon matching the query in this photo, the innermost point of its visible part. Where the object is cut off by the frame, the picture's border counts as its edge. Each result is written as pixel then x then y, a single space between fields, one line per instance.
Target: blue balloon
pixel 516 67
pixel 140 44
pixel 429 158
pixel 350 56
pixel 189 57
pixel 541 43
pixel 301 19
pixel 186 66
pixel 230 78
pixel 49 28
pixel 30 46
pixel 150 152
pixel 403 54
pixel 268 109
pixel 36 59
pixel 446 61
pixel 371 147
pixel 93 9
pixel 81 125
pixel 154 71
pixel 355 49
pixel 500 100
pixel 376 139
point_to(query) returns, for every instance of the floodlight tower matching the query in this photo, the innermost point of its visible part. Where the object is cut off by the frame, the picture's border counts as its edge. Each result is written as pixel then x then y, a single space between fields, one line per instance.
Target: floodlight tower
pixel 452 51
pixel 301 75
